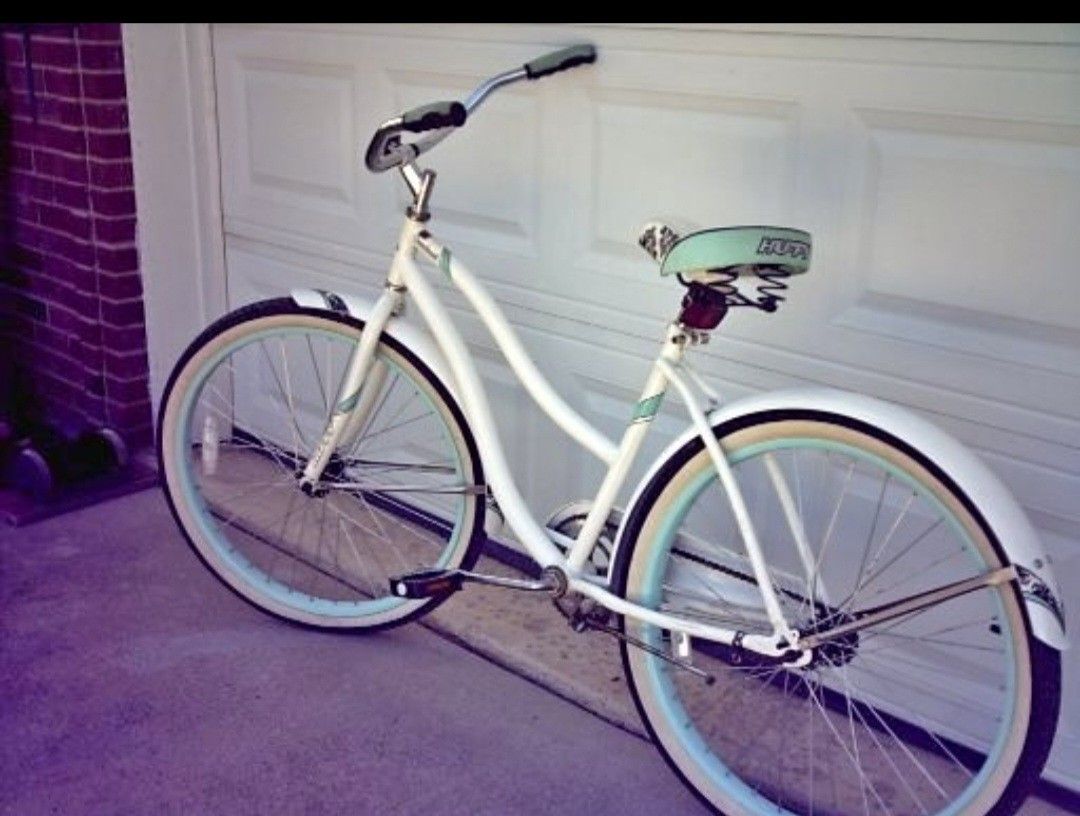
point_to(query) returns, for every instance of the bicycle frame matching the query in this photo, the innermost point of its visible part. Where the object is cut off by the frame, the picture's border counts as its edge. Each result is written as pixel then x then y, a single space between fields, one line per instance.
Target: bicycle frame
pixel 364 375
pixel 404 276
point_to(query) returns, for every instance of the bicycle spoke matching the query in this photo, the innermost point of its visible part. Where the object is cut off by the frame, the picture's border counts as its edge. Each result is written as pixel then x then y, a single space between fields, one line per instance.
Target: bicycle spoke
pixel 361 437
pixel 872 633
pixel 873 529
pixel 951 644
pixel 318 377
pixel 829 530
pixel 860 584
pixel 846 603
pixel 398 425
pixel 892 674
pixel 887 756
pixel 292 415
pixel 865 783
pixel 269 450
pixel 374 551
pixel 376 466
pixel 948 556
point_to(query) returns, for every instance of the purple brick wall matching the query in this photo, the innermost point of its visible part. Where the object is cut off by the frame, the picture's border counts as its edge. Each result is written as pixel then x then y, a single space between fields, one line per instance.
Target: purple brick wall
pixel 71 313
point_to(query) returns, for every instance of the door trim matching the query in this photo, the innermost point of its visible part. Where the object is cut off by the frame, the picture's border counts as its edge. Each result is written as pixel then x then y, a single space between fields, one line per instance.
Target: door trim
pixel 172 111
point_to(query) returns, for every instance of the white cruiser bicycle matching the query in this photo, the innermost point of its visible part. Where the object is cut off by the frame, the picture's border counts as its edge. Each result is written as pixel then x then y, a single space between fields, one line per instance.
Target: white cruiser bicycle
pixel 824 603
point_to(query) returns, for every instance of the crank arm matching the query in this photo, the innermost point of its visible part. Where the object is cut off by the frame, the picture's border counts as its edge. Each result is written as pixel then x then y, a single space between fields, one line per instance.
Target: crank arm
pixel 441 582
pixel 916 603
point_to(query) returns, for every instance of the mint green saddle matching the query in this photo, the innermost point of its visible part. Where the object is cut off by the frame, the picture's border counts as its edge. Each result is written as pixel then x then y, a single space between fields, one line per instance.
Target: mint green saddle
pixel 738 249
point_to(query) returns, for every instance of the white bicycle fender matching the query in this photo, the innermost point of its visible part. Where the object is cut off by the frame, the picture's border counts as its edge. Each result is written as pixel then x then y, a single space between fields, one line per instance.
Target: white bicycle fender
pixel 408 334
pixel 997 505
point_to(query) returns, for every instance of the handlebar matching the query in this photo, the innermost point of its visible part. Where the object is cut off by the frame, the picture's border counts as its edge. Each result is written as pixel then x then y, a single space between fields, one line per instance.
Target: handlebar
pixel 386 151
pixel 560 60
pixel 434 116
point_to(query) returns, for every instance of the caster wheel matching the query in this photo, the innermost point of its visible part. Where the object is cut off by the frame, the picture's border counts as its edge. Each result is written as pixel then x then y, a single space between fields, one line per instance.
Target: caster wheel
pixel 28 471
pixel 98 451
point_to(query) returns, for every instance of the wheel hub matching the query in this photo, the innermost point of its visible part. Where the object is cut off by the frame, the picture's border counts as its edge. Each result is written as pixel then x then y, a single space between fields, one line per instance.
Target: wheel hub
pixel 313 490
pixel 837 651
pixel 334 471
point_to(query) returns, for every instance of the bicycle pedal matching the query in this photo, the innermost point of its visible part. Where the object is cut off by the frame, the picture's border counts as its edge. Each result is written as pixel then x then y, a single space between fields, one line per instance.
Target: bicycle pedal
pixel 426 584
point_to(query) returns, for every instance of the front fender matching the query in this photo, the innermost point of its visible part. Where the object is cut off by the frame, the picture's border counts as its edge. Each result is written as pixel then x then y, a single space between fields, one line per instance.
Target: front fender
pixel 408 334
pixel 996 504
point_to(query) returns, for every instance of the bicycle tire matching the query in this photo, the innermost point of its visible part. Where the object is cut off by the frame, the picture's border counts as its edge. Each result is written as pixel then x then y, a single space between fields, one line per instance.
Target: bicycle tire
pixel 322 590
pixel 705 753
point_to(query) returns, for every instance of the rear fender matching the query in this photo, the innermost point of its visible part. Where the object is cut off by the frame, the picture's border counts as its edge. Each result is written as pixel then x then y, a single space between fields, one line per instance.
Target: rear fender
pixel 999 509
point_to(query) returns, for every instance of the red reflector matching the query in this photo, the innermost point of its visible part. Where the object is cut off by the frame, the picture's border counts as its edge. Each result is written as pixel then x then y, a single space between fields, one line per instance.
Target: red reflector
pixel 703 307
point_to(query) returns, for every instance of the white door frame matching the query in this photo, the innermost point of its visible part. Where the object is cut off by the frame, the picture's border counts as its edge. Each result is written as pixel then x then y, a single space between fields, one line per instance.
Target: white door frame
pixel 174 148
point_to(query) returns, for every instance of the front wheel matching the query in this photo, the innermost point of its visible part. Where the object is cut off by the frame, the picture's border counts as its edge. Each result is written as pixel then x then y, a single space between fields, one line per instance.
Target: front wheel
pixel 241 415
pixel 950 710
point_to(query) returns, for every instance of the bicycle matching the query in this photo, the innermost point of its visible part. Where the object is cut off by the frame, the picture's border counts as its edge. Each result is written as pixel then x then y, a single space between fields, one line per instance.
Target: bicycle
pixel 822 601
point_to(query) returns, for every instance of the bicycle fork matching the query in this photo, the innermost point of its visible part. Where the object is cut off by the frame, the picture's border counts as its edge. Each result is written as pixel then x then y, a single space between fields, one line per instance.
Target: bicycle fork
pixel 357 391
pixel 364 374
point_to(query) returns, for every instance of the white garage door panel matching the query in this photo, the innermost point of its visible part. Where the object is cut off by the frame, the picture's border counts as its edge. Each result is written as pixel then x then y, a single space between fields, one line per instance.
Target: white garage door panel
pixel 996 205
pixel 318 135
pixel 941 182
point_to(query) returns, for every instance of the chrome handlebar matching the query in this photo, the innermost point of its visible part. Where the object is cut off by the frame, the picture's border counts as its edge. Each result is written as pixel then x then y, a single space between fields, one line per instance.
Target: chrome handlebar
pixel 485 88
pixel 386 151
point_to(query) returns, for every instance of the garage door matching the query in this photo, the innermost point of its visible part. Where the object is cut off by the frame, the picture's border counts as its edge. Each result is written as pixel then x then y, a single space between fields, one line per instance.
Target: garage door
pixel 938 169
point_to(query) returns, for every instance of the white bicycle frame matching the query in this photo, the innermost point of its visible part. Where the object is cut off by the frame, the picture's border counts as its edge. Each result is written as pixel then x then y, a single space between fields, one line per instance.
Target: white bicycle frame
pixel 363 379
pixel 404 276
pixel 1027 562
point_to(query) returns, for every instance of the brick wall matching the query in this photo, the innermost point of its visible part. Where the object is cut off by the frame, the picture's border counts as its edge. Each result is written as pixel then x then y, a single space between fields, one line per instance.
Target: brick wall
pixel 72 326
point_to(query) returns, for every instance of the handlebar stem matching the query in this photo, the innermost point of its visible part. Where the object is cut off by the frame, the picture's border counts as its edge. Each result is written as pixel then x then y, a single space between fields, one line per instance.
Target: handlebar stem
pixel 413 178
pixel 420 184
pixel 419 209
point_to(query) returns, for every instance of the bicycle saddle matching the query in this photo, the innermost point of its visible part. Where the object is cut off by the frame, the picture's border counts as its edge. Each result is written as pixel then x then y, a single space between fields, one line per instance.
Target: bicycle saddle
pixel 730 249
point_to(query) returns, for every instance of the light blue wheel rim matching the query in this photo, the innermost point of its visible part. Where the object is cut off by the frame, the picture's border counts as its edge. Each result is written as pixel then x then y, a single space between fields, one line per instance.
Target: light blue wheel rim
pixel 658 672
pixel 241 566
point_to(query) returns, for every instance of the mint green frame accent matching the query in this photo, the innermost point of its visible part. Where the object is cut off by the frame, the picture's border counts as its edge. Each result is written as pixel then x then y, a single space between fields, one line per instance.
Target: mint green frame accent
pixel 647 408
pixel 349 402
pixel 444 261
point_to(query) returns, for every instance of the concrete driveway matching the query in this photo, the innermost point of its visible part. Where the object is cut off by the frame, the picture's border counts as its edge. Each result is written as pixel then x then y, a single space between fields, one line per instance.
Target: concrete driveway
pixel 131 682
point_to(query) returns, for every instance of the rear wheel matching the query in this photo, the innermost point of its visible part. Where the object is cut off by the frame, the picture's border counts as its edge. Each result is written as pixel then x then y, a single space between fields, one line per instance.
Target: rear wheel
pixel 240 416
pixel 950 710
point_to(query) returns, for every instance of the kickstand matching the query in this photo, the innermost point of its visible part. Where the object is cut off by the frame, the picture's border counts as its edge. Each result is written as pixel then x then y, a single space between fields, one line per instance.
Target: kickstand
pixel 592 616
